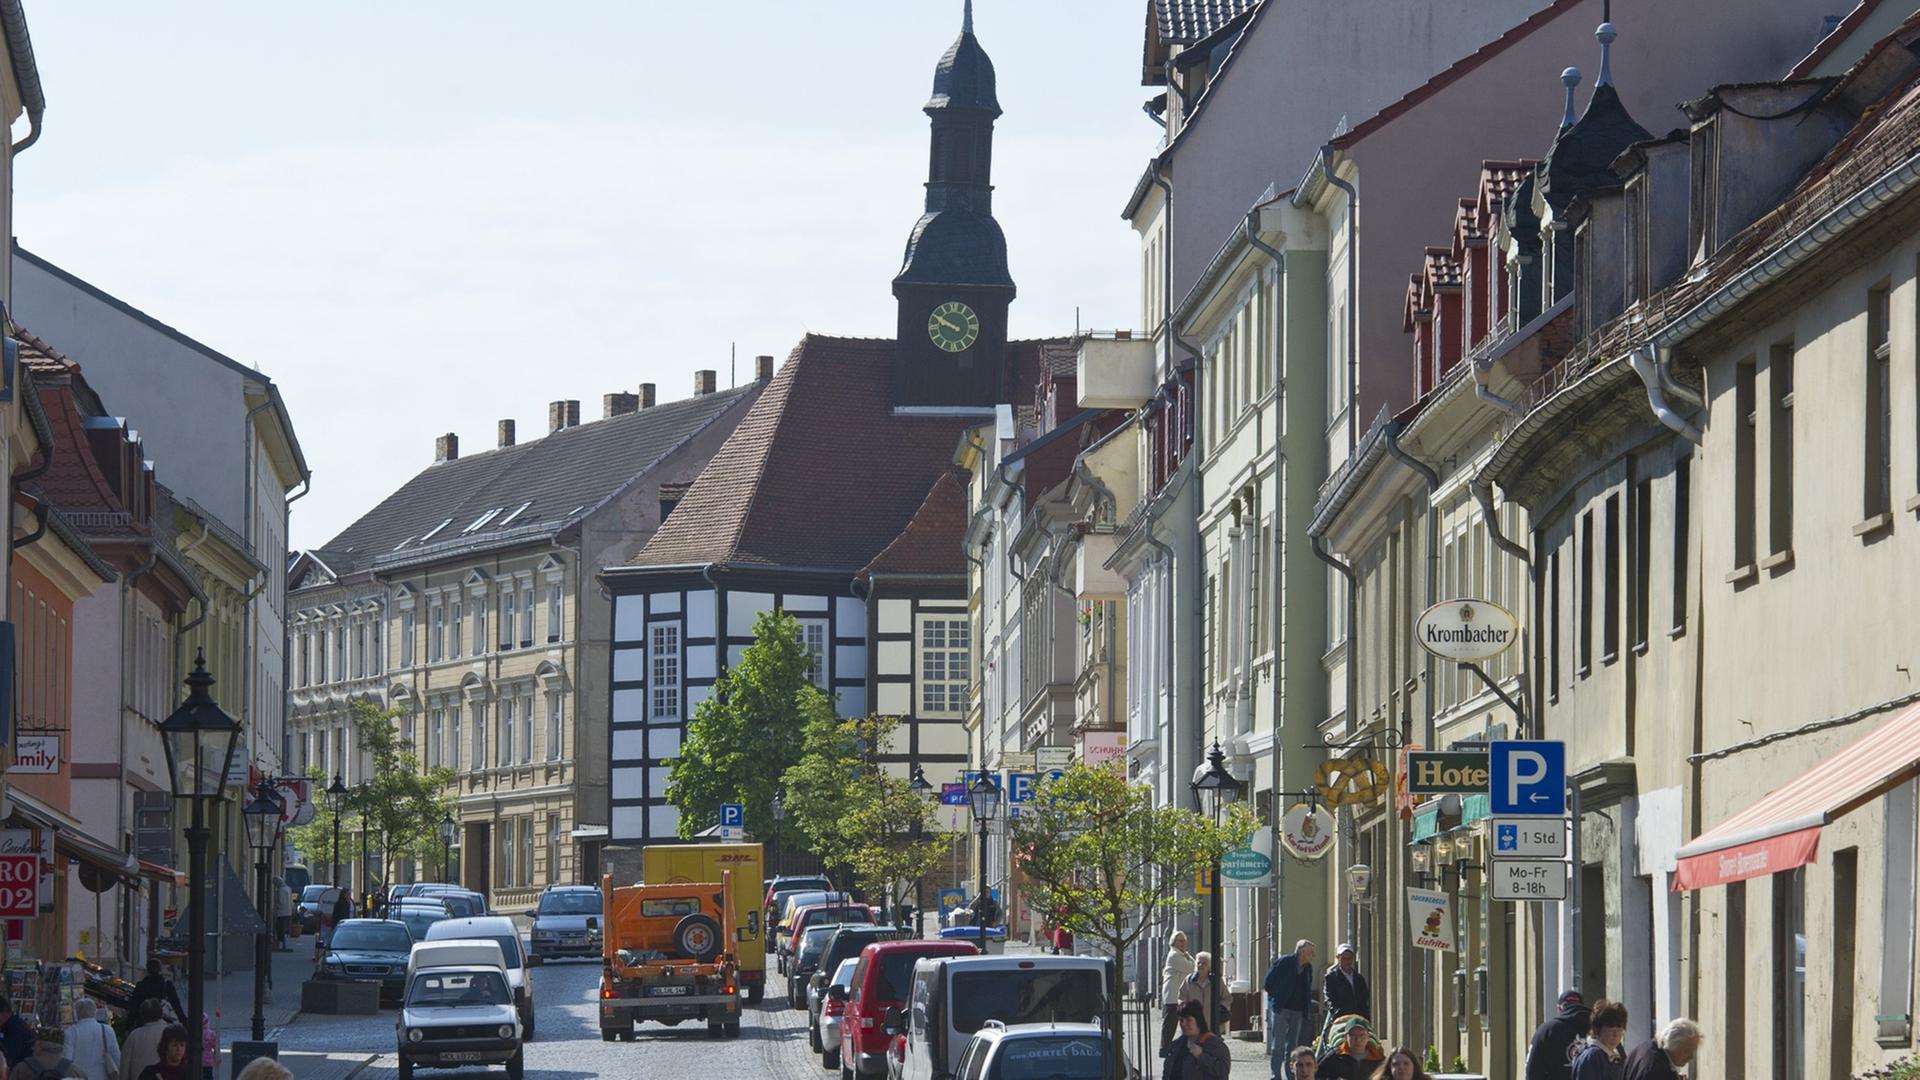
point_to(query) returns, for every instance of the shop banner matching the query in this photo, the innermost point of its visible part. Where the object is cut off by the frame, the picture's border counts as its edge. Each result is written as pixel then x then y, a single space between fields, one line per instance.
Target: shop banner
pixel 1250 867
pixel 19 874
pixel 37 754
pixel 1430 917
pixel 1307 831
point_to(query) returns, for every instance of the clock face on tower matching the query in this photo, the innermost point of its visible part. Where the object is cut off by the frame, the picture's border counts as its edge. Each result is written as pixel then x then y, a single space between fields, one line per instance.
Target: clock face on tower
pixel 953 326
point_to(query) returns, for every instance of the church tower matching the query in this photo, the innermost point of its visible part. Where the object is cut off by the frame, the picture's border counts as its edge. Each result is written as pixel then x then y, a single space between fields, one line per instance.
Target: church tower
pixel 953 287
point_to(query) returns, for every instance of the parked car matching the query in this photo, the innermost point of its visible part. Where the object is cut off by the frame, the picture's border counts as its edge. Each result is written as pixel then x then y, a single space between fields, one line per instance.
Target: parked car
pixel 881 981
pixel 806 960
pixel 839 911
pixel 824 1032
pixel 458 1017
pixel 297 877
pixel 953 997
pixel 778 890
pixel 1055 1051
pixel 567 922
pixel 843 944
pixel 417 917
pixel 315 901
pixel 783 921
pixel 500 930
pixel 369 950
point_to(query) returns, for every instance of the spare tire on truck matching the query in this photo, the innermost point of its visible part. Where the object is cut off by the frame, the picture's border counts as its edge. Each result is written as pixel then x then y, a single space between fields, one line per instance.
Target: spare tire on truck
pixel 697 937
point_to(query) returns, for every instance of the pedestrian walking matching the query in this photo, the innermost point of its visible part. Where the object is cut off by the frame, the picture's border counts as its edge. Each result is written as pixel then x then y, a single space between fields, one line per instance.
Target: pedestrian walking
pixel 49 1060
pixel 155 985
pixel 1173 974
pixel 1550 1054
pixel 1346 988
pixel 1289 989
pixel 16 1035
pixel 1203 986
pixel 1198 1054
pixel 1666 1055
pixel 1352 1052
pixel 142 1047
pixel 282 913
pixel 172 1063
pixel 90 1045
pixel 1401 1064
pixel 1600 1057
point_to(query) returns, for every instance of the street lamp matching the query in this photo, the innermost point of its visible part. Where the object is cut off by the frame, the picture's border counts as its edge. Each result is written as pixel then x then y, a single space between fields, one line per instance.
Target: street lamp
pixel 199 739
pixel 779 815
pixel 1216 789
pixel 922 790
pixel 263 818
pixel 983 798
pixel 337 802
pixel 446 845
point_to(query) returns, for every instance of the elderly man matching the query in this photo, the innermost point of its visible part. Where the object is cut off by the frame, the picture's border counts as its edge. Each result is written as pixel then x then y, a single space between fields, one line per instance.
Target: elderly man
pixel 1289 988
pixel 1666 1055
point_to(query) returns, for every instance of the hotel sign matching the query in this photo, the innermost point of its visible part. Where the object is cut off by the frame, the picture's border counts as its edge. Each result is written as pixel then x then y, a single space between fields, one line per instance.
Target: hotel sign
pixel 1466 631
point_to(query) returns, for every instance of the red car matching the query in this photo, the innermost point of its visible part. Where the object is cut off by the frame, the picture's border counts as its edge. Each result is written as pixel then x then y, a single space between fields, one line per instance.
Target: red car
pixel 880 982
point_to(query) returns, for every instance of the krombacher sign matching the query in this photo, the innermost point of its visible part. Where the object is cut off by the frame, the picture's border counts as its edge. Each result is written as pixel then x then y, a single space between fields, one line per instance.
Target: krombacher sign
pixel 1466 631
pixel 1447 772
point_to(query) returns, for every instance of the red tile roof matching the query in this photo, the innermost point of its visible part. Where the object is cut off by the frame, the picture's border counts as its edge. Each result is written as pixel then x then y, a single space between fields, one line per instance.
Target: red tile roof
pixel 73 481
pixel 41 358
pixel 930 544
pixel 822 473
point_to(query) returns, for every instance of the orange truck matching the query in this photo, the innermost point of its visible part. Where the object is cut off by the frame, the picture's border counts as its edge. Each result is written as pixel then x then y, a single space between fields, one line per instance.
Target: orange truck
pixel 669 953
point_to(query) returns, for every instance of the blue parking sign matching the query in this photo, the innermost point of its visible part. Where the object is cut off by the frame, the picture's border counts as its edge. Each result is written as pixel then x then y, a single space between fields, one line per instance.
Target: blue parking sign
pixel 732 815
pixel 1527 777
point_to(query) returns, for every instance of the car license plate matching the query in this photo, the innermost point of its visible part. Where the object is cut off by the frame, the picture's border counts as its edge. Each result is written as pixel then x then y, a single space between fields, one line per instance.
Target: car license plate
pixel 462 1055
pixel 667 991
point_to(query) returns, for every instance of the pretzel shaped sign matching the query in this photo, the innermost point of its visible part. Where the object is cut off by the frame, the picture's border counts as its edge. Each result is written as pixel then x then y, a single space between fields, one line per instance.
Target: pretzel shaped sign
pixel 1352 781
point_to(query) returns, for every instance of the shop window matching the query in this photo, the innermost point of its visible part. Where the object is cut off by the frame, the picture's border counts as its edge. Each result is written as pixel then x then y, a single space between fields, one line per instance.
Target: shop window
pixel 1789 974
pixel 1894 1023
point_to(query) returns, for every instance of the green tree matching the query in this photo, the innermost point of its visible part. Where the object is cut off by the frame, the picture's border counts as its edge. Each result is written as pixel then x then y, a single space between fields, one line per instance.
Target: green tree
pixel 399 805
pixel 1099 857
pixel 745 736
pixel 857 815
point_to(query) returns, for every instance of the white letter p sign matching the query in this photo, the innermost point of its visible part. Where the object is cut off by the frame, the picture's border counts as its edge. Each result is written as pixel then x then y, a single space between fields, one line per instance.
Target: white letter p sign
pixel 1524 769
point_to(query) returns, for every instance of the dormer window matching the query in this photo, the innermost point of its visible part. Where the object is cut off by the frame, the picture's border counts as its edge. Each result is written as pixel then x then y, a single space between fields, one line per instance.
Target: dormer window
pixel 1704 146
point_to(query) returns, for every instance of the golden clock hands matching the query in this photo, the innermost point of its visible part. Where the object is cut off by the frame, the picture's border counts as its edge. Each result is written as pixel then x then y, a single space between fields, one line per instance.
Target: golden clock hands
pixel 942 320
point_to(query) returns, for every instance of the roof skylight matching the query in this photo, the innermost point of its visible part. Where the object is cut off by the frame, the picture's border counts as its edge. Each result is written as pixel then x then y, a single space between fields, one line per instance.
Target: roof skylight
pixel 481 521
pixel 431 533
pixel 516 512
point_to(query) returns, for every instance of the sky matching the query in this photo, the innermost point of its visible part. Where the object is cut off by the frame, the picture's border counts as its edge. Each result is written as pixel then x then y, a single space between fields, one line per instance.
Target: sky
pixel 422 217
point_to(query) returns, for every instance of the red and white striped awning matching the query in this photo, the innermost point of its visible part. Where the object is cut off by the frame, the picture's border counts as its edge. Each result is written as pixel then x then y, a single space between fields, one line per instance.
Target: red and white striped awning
pixel 1782 830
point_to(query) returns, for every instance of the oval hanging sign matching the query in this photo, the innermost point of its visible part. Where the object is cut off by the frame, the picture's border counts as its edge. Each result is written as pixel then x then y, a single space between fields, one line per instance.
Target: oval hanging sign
pixel 1467 631
pixel 1307 831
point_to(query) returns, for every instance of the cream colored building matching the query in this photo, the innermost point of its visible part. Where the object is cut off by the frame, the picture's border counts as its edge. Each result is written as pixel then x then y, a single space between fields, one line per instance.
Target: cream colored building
pixel 467 599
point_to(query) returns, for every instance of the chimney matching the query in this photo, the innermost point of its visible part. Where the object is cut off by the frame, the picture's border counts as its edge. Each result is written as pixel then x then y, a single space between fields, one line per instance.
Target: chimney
pixel 561 415
pixel 703 383
pixel 447 447
pixel 506 434
pixel 618 404
pixel 763 368
pixel 646 395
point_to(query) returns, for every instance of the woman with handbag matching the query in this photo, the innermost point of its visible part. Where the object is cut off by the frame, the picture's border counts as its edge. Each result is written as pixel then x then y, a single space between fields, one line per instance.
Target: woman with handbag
pixel 90 1044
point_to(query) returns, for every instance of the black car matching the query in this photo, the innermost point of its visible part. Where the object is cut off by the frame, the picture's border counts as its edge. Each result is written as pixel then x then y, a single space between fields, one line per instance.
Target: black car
pixel 844 943
pixel 369 950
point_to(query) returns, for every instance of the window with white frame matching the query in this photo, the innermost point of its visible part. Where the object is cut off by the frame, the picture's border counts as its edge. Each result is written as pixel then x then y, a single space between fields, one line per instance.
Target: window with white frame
pixel 556 846
pixel 944 646
pixel 479 759
pixel 304 670
pixel 373 636
pixel 813 637
pixel 407 633
pixel 555 606
pixel 457 625
pixel 434 732
pixel 453 737
pixel 436 633
pixel 479 624
pixel 506 617
pixel 554 707
pixel 359 650
pixel 526 617
pixel 341 767
pixel 503 872
pixel 526 850
pixel 505 746
pixel 663 648
pixel 526 728
pixel 340 652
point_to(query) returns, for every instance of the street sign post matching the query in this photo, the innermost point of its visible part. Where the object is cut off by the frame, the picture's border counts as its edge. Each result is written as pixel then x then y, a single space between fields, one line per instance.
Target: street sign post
pixel 1529 838
pixel 1527 777
pixel 1527 879
pixel 733 820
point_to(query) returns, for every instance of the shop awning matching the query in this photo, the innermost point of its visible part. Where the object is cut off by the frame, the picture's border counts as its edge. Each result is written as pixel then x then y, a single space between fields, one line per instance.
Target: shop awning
pixel 1782 830
pixel 69 838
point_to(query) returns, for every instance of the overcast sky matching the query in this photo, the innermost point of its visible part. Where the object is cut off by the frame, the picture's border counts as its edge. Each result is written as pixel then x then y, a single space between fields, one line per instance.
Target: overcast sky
pixel 423 217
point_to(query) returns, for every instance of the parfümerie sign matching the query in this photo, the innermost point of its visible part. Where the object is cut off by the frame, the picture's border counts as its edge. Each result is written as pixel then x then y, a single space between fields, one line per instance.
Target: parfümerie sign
pixel 1467 631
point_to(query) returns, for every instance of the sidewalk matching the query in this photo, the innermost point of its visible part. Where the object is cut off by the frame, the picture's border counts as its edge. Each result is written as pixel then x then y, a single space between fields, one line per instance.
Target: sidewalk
pixel 231 1000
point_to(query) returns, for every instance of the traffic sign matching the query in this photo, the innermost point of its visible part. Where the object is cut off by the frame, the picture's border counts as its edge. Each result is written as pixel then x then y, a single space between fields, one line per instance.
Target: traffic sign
pixel 1527 777
pixel 733 819
pixel 1529 838
pixel 1527 879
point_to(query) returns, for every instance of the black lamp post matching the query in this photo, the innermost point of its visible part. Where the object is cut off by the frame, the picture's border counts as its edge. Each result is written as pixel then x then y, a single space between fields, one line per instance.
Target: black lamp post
pixel 1216 789
pixel 779 815
pixel 337 802
pixel 262 816
pixel 447 825
pixel 199 738
pixel 983 799
pixel 921 790
pixel 366 868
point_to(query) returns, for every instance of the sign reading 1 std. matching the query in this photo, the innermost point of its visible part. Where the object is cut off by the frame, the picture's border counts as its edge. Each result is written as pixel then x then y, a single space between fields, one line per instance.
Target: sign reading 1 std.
pixel 1529 838
pixel 1466 631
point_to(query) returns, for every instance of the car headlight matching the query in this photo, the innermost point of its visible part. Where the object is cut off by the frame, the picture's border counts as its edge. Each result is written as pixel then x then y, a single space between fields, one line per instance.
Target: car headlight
pixel 415 1034
pixel 506 1031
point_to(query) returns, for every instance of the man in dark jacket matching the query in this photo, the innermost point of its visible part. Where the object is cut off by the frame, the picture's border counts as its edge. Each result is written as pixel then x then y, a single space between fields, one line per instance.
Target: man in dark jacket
pixel 1550 1055
pixel 1289 987
pixel 158 987
pixel 16 1035
pixel 1347 993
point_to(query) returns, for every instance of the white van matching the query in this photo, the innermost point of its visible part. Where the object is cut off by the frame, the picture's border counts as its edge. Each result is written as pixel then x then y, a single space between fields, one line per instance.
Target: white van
pixel 500 930
pixel 954 996
pixel 454 953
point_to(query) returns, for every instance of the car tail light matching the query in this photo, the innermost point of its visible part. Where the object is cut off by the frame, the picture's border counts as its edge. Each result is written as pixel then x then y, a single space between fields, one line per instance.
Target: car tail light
pixel 606 991
pixel 832 1008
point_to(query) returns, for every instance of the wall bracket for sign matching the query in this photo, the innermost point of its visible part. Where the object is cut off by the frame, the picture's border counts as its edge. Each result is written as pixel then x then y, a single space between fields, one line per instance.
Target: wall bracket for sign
pixel 1389 739
pixel 1519 712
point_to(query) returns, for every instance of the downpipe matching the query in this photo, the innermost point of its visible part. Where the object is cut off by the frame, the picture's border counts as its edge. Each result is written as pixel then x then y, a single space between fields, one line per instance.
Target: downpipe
pixel 1399 453
pixel 1651 367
